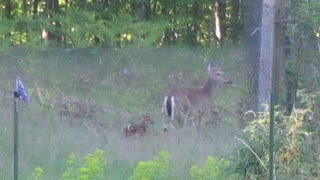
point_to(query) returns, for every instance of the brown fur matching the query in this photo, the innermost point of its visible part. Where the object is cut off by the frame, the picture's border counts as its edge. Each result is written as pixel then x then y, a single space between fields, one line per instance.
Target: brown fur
pixel 193 102
pixel 138 129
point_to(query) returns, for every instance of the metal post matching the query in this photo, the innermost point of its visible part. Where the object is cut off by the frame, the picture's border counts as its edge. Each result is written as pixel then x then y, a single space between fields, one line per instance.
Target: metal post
pixel 15 139
pixel 271 140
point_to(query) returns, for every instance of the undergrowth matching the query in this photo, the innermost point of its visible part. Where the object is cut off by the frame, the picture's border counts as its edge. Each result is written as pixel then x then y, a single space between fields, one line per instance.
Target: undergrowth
pixel 295 136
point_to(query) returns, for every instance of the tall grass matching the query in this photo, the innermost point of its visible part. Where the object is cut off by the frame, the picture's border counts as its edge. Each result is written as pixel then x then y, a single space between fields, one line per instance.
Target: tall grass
pixel 99 76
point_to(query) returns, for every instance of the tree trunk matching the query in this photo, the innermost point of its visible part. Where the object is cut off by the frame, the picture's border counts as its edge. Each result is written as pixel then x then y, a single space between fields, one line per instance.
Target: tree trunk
pixel 35 7
pixel 142 10
pixel 235 9
pixel 220 17
pixel 155 8
pixel 52 7
pixel 270 52
pixel 147 9
pixel 24 4
pixel 8 8
pixel 139 12
pixel 266 54
pixel 194 28
pixel 235 20
pixel 170 34
pixel 252 23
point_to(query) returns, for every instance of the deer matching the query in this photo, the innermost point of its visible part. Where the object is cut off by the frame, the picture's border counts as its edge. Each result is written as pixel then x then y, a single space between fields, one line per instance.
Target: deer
pixel 191 103
pixel 138 129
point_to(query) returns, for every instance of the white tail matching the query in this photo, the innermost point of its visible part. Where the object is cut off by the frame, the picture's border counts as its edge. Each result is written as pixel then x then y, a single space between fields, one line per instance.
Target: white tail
pixel 182 104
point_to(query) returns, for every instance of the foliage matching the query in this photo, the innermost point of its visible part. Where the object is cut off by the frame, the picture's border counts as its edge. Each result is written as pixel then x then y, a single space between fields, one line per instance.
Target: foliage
pixel 93 167
pixel 212 169
pixel 293 153
pixel 37 174
pixel 302 38
pixel 116 23
pixel 156 169
pixel 80 28
pixel 245 163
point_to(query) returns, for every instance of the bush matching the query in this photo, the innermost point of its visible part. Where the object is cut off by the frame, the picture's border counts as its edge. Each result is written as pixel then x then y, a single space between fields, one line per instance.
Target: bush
pixel 293 152
pixel 93 167
pixel 156 169
pixel 37 174
pixel 212 169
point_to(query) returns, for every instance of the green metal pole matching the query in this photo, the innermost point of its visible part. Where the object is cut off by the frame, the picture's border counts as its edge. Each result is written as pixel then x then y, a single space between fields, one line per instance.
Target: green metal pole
pixel 15 140
pixel 271 140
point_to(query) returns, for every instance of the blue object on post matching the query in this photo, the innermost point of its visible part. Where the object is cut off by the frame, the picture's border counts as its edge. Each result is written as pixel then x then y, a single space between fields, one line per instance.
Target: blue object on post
pixel 21 91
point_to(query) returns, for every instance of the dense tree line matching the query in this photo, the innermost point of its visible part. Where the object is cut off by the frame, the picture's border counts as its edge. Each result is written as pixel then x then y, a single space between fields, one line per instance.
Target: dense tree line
pixel 120 22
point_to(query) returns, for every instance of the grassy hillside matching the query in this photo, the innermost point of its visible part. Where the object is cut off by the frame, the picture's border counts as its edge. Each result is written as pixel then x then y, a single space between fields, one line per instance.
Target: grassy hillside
pixel 80 99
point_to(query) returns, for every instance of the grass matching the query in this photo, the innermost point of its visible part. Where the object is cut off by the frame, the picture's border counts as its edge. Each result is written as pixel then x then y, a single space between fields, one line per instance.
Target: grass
pixel 100 77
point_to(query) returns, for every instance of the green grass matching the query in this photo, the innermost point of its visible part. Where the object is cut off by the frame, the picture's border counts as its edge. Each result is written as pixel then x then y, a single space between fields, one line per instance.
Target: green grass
pixel 51 76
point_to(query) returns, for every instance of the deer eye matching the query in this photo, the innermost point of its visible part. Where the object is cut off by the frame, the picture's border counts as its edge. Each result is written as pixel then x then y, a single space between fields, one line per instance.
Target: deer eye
pixel 219 73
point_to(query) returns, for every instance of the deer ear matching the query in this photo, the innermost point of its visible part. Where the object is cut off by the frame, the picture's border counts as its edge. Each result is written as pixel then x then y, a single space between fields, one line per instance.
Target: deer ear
pixel 211 65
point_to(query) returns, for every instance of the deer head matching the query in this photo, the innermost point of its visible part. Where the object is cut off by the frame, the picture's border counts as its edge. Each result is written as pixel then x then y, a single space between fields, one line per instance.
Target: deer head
pixel 216 75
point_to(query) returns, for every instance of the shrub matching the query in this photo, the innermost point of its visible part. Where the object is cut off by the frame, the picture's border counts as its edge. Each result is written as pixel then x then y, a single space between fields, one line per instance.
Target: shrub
pixel 212 169
pixel 156 169
pixel 293 152
pixel 37 174
pixel 93 167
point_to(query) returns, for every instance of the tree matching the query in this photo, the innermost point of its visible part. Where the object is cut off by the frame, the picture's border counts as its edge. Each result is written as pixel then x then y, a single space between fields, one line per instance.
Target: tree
pixel 220 18
pixel 252 24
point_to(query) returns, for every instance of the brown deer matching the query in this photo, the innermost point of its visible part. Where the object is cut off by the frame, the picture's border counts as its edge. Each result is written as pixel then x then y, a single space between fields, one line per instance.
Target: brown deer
pixel 181 104
pixel 138 129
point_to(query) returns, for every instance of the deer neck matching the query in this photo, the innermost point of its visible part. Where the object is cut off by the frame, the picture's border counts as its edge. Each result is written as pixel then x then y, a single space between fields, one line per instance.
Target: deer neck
pixel 209 87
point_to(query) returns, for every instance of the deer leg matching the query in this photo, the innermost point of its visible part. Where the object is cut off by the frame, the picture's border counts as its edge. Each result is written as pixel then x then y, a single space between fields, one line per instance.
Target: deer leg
pixel 195 120
pixel 198 119
pixel 186 116
pixel 167 123
pixel 171 125
pixel 185 120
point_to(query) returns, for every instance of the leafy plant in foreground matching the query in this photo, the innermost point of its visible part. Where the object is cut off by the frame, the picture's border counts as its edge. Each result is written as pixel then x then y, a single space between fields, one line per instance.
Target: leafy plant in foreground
pixel 37 174
pixel 93 167
pixel 294 136
pixel 156 169
pixel 212 169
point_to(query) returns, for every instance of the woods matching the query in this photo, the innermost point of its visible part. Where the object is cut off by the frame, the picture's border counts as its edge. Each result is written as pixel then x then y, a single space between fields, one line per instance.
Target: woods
pixel 119 23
